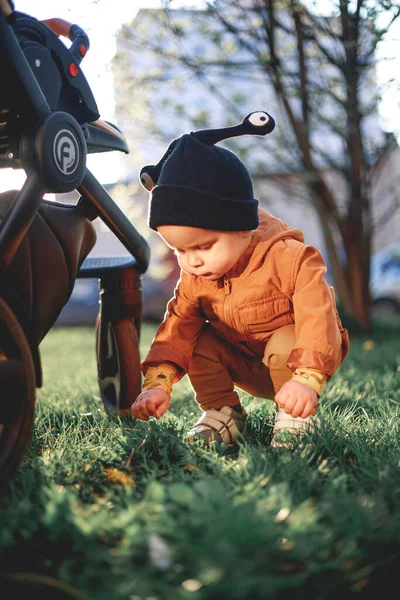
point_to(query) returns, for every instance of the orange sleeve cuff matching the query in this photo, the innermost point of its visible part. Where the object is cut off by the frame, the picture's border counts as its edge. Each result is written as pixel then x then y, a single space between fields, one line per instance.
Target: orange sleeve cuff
pixel 160 376
pixel 311 377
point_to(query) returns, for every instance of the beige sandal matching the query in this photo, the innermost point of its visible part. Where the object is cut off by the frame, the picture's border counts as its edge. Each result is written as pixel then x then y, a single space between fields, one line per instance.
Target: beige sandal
pixel 223 425
pixel 288 430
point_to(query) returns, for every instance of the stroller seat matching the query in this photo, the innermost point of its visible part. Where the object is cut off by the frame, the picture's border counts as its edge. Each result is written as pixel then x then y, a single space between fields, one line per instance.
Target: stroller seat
pixel 49 122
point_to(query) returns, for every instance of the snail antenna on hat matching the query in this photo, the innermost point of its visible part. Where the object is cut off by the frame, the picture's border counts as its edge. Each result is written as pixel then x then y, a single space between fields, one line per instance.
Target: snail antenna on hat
pixel 255 123
pixel 150 173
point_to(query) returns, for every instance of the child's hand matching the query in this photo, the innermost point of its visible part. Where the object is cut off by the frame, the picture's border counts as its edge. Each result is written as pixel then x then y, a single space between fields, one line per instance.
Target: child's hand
pixel 297 399
pixel 150 403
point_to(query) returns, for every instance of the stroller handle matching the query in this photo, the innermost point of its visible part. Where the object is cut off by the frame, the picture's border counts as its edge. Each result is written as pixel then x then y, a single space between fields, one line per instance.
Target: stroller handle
pixel 79 38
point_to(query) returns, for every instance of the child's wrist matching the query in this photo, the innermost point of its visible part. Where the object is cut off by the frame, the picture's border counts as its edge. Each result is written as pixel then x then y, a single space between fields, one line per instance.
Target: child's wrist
pixel 311 377
pixel 160 376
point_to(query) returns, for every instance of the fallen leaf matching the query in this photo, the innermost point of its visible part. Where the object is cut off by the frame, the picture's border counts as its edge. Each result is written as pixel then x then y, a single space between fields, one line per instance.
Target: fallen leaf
pixel 116 476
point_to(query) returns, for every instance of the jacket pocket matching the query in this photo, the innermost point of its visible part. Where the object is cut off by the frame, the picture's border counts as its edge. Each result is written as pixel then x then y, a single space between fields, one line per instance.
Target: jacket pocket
pixel 266 315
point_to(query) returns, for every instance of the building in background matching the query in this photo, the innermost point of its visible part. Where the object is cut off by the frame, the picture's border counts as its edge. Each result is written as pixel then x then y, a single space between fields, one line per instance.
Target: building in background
pixel 151 115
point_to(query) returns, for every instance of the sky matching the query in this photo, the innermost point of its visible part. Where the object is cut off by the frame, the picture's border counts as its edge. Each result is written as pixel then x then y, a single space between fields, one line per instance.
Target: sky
pixel 101 20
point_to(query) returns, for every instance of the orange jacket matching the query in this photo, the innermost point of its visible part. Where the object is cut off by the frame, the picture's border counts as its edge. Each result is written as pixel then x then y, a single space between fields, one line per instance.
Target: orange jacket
pixel 279 280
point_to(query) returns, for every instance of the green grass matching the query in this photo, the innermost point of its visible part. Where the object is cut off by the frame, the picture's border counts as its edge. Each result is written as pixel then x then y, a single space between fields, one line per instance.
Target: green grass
pixel 321 522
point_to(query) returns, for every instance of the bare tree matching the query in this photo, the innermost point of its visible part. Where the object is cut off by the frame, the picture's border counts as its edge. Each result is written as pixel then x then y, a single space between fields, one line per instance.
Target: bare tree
pixel 321 70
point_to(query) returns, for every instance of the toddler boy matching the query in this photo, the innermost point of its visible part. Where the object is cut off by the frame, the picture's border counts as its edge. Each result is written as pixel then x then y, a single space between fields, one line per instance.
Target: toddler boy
pixel 251 309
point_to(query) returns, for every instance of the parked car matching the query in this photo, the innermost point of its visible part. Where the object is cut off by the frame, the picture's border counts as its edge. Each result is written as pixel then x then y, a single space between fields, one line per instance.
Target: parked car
pixel 83 305
pixel 385 282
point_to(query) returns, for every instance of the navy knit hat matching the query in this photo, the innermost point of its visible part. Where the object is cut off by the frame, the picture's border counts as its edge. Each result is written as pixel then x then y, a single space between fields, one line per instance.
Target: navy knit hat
pixel 198 184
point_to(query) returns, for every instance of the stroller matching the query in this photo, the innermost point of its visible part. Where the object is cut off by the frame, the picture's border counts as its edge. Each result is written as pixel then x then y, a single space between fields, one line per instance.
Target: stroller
pixel 49 121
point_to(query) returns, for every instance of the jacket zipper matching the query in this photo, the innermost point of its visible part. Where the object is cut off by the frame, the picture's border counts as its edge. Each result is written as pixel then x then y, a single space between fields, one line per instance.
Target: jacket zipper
pixel 227 291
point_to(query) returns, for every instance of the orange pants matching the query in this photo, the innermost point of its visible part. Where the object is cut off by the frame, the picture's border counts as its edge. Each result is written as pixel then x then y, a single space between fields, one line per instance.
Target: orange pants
pixel 216 367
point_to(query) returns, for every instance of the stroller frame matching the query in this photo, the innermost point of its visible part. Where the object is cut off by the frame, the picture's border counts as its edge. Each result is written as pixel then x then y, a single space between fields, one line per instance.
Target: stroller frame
pixel 47 129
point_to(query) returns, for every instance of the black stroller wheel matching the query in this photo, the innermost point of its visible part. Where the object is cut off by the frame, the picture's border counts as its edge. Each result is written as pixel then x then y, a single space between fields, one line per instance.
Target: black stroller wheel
pixel 18 387
pixel 118 363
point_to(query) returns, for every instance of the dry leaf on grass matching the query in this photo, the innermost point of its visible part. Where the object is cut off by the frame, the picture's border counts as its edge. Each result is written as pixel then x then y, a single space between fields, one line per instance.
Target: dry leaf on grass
pixel 116 476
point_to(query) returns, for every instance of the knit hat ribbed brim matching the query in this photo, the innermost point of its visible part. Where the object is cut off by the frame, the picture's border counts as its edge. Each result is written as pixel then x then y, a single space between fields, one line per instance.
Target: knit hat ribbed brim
pixel 178 205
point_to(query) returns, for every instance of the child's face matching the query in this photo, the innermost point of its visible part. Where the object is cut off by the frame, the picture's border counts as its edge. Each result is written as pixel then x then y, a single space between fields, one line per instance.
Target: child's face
pixel 205 252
